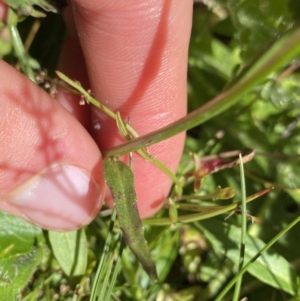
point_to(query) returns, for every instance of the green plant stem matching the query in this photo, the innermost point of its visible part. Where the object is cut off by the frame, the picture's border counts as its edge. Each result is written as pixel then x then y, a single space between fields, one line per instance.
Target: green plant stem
pixel 207 212
pixel 125 126
pixel 218 210
pixel 116 269
pixel 18 44
pixel 281 52
pixel 256 256
pixel 238 285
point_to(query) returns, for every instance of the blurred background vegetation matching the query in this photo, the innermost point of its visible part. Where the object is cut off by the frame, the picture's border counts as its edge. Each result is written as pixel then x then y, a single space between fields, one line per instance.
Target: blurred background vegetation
pixel 195 260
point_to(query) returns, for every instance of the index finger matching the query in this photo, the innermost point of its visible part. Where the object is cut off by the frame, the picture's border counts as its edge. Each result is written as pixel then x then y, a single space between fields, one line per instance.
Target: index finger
pixel 136 58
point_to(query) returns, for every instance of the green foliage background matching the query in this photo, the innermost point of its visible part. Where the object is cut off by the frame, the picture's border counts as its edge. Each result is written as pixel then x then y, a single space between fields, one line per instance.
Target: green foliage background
pixel 196 260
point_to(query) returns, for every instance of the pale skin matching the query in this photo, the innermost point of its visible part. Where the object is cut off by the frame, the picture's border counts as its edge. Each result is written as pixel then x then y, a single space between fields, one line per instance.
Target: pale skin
pixel 133 56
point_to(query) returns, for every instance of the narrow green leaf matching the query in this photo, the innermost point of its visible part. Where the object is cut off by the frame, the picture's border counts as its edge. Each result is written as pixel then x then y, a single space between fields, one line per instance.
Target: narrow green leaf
pixel 238 285
pixel 120 180
pixel 108 254
pixel 70 250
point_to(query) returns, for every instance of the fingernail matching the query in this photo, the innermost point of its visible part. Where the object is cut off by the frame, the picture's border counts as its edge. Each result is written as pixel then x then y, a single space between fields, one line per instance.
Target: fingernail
pixel 61 197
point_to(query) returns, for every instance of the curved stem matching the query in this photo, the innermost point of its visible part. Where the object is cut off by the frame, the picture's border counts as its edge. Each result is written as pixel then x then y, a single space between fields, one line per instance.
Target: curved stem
pixel 281 52
pixel 130 132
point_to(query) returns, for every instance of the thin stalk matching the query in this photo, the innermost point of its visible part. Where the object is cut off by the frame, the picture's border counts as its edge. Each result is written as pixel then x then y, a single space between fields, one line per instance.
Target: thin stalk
pixel 18 44
pixel 243 234
pixel 131 132
pixel 116 270
pixel 193 217
pixel 211 211
pixel 105 283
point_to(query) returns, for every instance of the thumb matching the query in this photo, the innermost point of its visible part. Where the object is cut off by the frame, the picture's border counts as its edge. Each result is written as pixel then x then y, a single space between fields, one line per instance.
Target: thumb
pixel 51 171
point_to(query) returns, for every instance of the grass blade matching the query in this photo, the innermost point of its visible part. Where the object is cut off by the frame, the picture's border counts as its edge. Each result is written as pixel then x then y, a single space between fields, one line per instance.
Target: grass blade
pixel 243 234
pixel 101 271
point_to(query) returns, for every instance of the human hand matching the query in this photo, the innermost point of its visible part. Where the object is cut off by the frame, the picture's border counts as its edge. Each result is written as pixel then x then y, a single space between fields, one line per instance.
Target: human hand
pixel 133 56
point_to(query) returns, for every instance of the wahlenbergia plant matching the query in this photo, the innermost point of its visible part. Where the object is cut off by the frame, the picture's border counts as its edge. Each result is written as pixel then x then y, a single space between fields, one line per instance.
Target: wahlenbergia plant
pixel 280 53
